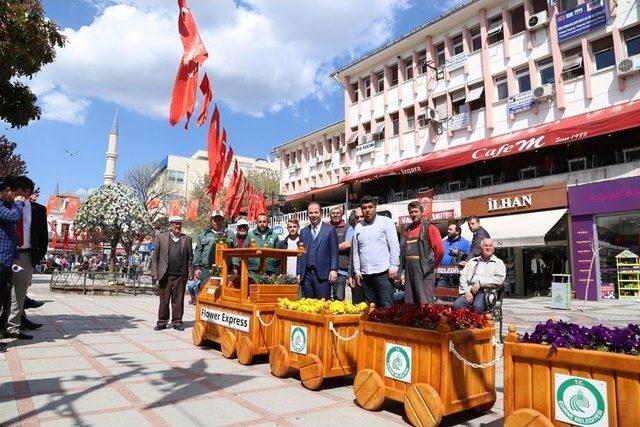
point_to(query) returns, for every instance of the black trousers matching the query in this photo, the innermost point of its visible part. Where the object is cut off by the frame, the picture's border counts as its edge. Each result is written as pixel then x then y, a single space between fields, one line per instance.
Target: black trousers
pixel 5 295
pixel 171 290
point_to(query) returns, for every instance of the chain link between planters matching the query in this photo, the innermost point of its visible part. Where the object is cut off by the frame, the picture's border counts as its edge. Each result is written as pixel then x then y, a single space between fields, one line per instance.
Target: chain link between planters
pixel 266 325
pixel 340 337
pixel 452 349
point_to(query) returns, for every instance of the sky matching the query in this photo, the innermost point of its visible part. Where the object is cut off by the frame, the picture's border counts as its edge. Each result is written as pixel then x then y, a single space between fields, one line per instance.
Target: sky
pixel 269 64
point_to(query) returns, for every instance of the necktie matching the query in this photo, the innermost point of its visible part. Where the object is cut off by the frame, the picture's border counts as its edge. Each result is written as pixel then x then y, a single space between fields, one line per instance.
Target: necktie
pixel 20 232
pixel 315 232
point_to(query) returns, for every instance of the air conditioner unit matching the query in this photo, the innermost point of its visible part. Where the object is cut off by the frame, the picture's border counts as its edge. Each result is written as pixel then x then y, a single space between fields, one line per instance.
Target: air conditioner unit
pixel 628 66
pixel 538 20
pixel 543 92
pixel 429 115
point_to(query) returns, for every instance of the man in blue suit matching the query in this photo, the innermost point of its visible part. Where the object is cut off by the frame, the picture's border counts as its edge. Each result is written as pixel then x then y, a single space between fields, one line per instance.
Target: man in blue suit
pixel 318 267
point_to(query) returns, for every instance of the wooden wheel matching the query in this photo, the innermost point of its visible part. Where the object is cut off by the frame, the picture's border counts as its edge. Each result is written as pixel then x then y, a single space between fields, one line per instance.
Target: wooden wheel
pixel 198 333
pixel 245 350
pixel 423 405
pixel 311 371
pixel 228 345
pixel 527 417
pixel 369 389
pixel 279 361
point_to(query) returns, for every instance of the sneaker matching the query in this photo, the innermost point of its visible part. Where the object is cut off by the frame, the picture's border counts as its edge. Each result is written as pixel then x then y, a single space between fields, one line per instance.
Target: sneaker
pixel 159 327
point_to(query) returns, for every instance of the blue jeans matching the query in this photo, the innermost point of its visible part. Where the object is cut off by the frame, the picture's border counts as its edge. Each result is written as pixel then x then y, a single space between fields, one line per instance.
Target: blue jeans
pixel 313 287
pixel 338 288
pixel 478 302
pixel 377 289
pixel 193 286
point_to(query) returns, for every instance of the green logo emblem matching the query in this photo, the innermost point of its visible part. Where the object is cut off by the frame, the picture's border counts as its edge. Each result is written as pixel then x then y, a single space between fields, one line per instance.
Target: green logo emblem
pixel 398 362
pixel 299 340
pixel 580 401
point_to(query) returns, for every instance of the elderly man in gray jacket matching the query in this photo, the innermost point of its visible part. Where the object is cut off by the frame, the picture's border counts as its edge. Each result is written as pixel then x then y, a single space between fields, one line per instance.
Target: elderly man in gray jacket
pixel 481 272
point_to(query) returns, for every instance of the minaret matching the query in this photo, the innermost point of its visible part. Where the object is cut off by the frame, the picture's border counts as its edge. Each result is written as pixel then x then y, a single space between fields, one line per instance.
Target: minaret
pixel 112 153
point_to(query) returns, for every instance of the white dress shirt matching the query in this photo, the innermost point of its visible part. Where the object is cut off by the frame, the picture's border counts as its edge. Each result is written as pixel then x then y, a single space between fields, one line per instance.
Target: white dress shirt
pixel 26 225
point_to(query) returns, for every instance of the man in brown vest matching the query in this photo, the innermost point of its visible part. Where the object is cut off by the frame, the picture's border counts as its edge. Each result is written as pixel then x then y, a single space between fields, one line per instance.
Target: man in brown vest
pixel 170 263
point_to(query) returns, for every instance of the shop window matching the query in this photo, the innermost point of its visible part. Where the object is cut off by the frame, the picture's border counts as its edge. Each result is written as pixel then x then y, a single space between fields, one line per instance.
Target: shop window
pixel 440 105
pixel 475 97
pixel 517 20
pixel 572 65
pixel 408 68
pixel 410 114
pixel 354 92
pixel 502 87
pixel 476 39
pixel 618 249
pixel 395 124
pixel 458 102
pixel 422 61
pixel 539 5
pixel 393 70
pixel 440 57
pixel 367 87
pixel 458 47
pixel 567 5
pixel 603 52
pixel 380 81
pixel 632 40
pixel 545 68
pixel 523 79
pixel 495 33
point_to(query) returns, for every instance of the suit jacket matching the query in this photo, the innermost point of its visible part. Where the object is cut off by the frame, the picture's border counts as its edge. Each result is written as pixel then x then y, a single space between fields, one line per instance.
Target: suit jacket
pixel 39 232
pixel 326 251
pixel 160 256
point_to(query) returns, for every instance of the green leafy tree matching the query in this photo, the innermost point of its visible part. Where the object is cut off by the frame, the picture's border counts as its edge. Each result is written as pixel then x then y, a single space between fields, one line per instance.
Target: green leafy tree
pixel 265 181
pixel 116 213
pixel 10 163
pixel 28 40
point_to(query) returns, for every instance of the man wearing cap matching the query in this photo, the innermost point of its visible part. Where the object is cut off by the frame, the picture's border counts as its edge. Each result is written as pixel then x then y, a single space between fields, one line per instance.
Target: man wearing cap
pixel 205 253
pixel 170 264
pixel 242 230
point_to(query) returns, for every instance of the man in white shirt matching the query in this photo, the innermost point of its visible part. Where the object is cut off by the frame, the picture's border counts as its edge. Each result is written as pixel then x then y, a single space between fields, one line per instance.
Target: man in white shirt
pixel 537 273
pixel 291 242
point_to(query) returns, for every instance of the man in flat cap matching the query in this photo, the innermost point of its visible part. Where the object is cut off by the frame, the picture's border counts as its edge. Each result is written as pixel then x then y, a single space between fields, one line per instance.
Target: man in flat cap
pixel 205 253
pixel 170 265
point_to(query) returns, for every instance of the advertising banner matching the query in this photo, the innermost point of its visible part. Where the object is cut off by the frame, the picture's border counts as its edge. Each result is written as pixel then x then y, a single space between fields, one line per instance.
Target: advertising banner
pixel 581 19
pixel 459 121
pixel 455 62
pixel 521 102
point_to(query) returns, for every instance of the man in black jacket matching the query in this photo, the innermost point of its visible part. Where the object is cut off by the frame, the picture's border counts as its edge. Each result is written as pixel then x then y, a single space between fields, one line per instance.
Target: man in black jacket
pixel 33 238
pixel 479 234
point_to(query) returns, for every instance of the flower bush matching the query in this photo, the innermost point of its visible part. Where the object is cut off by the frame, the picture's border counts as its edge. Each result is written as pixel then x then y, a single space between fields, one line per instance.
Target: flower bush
pixel 312 305
pixel 272 279
pixel 427 316
pixel 600 338
pixel 216 270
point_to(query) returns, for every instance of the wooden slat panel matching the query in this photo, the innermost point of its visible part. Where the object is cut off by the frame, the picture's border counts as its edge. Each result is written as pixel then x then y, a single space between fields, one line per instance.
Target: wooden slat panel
pixel 522 372
pixel 542 393
pixel 609 377
pixel 628 392
pixel 508 381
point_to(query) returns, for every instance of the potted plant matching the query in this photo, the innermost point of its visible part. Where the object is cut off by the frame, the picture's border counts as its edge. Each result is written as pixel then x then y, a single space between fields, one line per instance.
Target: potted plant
pixel 317 337
pixel 421 355
pixel 268 288
pixel 564 373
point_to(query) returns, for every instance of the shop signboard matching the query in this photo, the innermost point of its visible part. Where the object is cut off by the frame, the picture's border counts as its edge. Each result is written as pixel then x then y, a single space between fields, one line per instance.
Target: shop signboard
pixel 435 216
pixel 584 259
pixel 459 121
pixel 605 197
pixel 229 320
pixel 455 62
pixel 521 102
pixel 525 200
pixel 581 19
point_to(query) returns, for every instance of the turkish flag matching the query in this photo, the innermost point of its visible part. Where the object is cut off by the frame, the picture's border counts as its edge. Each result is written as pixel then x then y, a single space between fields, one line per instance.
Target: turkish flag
pixel 207 96
pixel 213 141
pixel 174 207
pixel 426 198
pixel 71 209
pixel 192 209
pixel 183 99
pixel 219 158
pixel 194 54
pixel 230 195
pixel 224 168
pixel 237 207
pixel 153 204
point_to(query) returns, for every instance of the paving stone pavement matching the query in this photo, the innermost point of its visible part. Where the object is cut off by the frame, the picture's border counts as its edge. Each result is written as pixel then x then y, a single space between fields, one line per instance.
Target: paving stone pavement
pixel 97 361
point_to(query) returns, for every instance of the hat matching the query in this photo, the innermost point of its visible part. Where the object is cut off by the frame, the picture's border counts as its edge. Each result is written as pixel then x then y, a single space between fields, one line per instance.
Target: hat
pixel 217 213
pixel 175 219
pixel 242 221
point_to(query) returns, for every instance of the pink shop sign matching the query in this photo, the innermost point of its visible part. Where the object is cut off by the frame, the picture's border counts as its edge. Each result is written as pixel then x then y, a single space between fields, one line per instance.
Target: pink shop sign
pixel 605 197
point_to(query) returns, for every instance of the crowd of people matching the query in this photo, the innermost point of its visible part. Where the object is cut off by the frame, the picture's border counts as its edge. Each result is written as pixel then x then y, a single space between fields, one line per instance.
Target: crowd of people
pixel 24 239
pixel 364 253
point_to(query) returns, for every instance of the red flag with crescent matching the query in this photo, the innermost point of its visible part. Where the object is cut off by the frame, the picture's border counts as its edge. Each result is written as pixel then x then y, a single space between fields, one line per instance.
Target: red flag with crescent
pixel 192 210
pixel 174 207
pixel 207 96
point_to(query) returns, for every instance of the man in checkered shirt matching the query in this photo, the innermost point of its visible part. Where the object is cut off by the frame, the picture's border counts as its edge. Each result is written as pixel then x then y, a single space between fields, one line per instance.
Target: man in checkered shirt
pixel 11 205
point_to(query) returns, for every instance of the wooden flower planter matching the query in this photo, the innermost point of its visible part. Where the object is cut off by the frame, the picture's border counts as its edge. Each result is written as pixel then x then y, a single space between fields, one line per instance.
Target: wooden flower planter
pixel 316 351
pixel 239 318
pixel 415 366
pixel 530 374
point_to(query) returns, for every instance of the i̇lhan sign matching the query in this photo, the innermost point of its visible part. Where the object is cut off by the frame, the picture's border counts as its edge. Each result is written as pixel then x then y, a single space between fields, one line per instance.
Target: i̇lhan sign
pixel 522 201
pixel 528 199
